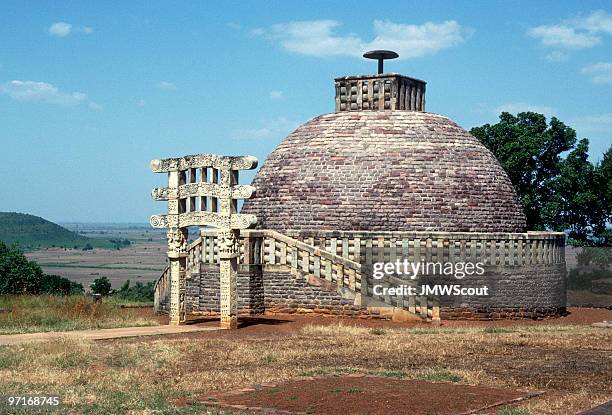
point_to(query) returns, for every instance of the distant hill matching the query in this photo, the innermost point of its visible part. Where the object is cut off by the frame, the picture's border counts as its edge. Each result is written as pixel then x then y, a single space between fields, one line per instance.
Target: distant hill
pixel 33 232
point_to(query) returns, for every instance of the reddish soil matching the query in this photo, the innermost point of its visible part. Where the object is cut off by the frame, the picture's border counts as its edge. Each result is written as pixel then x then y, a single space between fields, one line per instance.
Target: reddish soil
pixel 283 324
pixel 558 368
pixel 362 394
pixel 286 323
pixel 574 316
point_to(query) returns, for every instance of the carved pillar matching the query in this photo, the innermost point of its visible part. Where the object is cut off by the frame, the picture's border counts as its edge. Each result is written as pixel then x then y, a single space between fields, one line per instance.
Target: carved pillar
pixel 177 251
pixel 228 252
pixel 177 255
pixel 228 256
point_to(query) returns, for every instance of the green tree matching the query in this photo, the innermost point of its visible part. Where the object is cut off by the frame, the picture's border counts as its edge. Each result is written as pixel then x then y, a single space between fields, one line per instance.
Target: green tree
pixel 578 203
pixel 137 292
pixel 101 286
pixel 20 276
pixel 562 194
pixel 17 274
pixel 529 150
pixel 603 183
pixel 54 284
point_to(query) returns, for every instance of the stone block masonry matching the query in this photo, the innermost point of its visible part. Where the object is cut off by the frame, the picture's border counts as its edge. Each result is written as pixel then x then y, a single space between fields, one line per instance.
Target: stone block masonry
pixel 384 171
pixel 525 272
pixel 258 291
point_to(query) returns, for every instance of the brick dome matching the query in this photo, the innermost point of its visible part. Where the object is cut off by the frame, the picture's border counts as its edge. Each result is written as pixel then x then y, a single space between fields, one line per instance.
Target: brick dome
pixel 384 171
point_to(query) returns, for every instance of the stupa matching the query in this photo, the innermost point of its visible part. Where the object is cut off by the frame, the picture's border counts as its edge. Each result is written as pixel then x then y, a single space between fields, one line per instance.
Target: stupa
pixel 379 179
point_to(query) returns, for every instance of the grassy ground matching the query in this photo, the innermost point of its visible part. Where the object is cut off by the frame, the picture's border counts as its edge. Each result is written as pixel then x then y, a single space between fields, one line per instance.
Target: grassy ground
pixel 572 363
pixel 29 314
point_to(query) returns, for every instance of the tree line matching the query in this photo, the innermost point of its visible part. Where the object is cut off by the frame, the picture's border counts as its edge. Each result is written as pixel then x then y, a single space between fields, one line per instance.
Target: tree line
pixel 18 275
pixel 558 187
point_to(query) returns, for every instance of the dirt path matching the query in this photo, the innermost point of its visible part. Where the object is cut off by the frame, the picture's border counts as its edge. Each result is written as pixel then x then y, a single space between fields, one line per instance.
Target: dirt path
pixel 103 334
pixel 283 324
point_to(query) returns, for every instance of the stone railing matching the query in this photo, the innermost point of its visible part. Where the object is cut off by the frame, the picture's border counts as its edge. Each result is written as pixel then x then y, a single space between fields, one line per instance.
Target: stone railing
pixel 337 257
pixel 502 249
pixel 271 248
pixel 306 259
pixel 162 285
pixel 161 290
pixel 379 92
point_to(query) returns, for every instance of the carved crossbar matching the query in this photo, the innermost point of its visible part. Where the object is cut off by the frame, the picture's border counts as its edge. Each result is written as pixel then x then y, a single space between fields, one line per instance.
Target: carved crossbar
pixel 184 220
pixel 202 189
pixel 204 160
pixel 211 180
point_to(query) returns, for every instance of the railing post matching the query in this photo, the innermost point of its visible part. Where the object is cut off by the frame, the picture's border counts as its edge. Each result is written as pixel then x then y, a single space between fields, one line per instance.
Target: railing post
pixel 435 312
pixel 247 244
pixel 423 303
pixel 294 260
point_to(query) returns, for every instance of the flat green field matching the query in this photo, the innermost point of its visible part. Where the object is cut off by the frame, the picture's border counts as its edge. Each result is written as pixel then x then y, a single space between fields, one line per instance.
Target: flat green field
pixel 143 260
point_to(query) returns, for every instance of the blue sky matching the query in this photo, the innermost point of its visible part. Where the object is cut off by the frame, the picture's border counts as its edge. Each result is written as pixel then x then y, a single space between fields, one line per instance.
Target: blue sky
pixel 90 92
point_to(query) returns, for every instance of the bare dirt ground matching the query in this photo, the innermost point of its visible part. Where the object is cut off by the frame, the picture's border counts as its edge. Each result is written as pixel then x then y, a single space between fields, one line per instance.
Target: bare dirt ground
pixel 287 323
pixel 367 394
pixel 565 357
pixel 587 297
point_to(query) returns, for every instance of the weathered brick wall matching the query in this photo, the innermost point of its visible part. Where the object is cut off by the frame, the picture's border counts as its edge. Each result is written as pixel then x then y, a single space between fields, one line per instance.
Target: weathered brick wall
pixel 203 291
pixel 384 171
pixel 259 291
pixel 517 292
pixel 525 274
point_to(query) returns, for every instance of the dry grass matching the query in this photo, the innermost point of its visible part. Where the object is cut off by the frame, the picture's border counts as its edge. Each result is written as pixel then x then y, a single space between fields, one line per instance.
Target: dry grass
pixel 37 313
pixel 574 364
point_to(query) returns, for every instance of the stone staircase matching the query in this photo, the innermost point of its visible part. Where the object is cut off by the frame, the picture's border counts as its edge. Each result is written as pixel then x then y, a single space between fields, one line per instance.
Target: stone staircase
pixel 274 251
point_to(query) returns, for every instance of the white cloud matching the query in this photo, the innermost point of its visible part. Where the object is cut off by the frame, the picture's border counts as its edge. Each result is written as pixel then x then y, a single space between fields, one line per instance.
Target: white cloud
pixel 516 107
pixel 314 38
pixel 593 123
pixel 319 38
pixel 63 29
pixel 44 92
pixel 598 21
pixel 165 85
pixel 411 41
pixel 276 94
pixel 258 31
pixel 563 37
pixel 573 34
pixel 60 29
pixel 600 73
pixel 275 128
